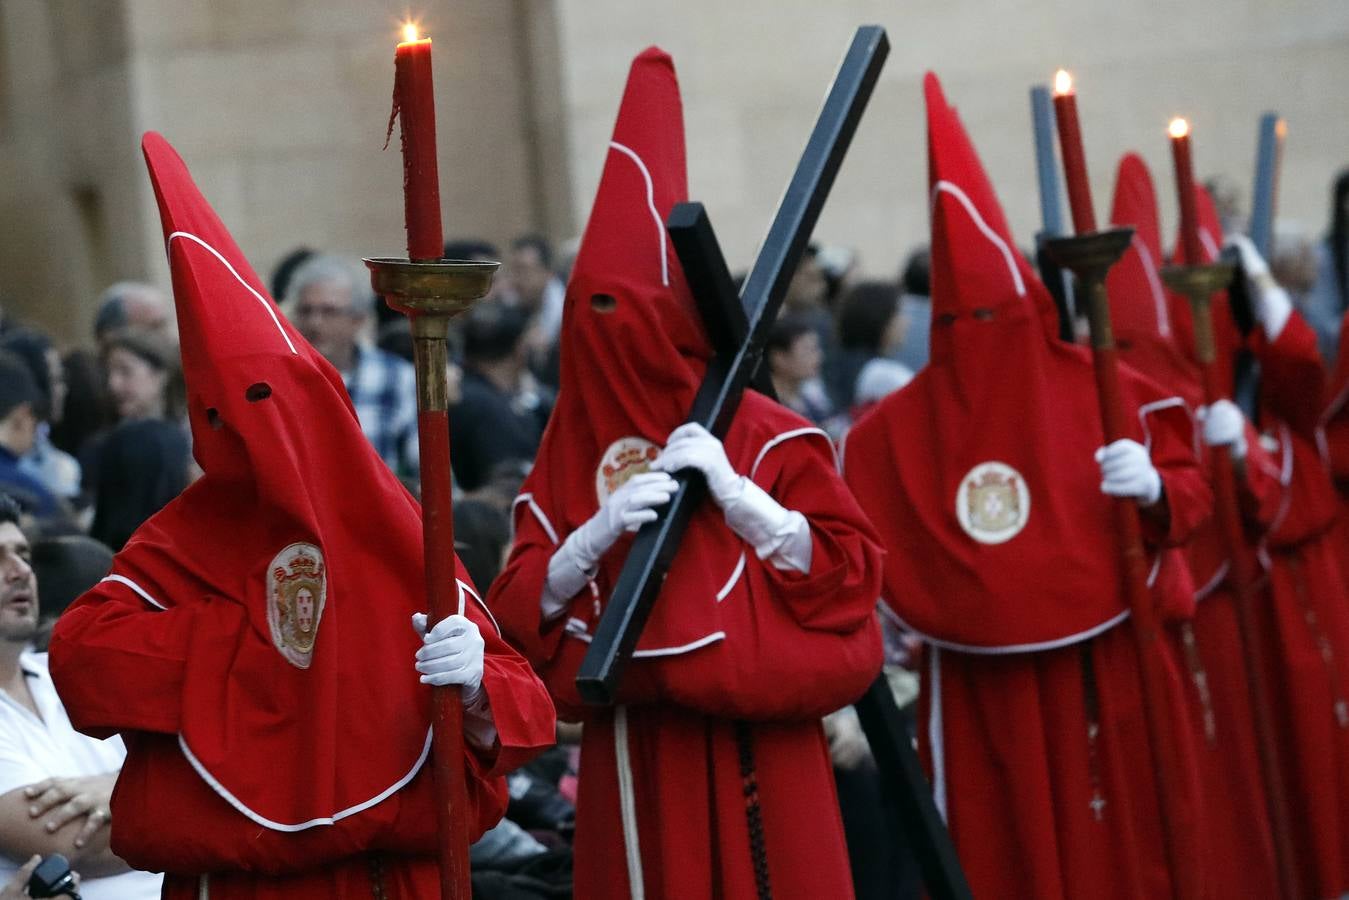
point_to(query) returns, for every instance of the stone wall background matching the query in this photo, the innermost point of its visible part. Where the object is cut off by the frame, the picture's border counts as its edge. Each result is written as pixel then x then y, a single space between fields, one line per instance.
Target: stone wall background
pixel 279 108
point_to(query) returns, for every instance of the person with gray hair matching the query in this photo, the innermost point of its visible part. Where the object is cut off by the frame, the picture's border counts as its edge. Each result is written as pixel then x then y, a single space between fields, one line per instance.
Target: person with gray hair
pixel 131 303
pixel 330 302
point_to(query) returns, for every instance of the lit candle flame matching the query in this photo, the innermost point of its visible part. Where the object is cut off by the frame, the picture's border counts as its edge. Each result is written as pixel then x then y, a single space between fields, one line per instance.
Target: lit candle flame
pixel 1178 128
pixel 1063 83
pixel 409 32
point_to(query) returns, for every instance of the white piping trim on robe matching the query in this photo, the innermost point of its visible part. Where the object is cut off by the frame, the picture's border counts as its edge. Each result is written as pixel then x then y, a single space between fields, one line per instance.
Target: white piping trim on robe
pixel 302 826
pixel 1148 409
pixel 735 576
pixel 955 191
pixel 650 205
pixel 1019 648
pixel 576 628
pixel 144 595
pixel 537 510
pixel 248 287
pixel 1155 285
pixel 1285 479
pixel 1213 582
pixel 934 733
pixel 627 805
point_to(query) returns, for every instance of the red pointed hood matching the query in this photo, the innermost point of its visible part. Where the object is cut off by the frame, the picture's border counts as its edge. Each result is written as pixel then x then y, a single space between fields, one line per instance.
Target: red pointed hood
pixel 976 268
pixel 633 349
pixel 1140 306
pixel 977 471
pixel 300 715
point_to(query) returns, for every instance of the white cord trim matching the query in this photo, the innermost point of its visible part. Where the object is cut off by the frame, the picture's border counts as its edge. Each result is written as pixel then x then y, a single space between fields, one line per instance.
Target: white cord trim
pixel 577 629
pixel 1210 245
pixel 995 238
pixel 1148 409
pixel 204 888
pixel 537 510
pixel 1285 479
pixel 627 805
pixel 1018 648
pixel 786 436
pixel 466 589
pixel 1212 584
pixel 650 205
pixel 1156 567
pixel 301 826
pixel 144 595
pixel 1155 285
pixel 735 577
pixel 271 311
pixel 934 734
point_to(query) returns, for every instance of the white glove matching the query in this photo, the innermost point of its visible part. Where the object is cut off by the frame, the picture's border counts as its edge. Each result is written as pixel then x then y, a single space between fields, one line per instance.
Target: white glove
pixel 1127 471
pixel 848 747
pixel 627 509
pixel 778 534
pixel 1224 426
pixel 1271 301
pixel 453 654
pixel 691 446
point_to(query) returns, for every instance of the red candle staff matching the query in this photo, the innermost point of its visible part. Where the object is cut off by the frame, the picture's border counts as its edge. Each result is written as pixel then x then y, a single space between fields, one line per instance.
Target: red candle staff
pixel 430 291
pixel 1199 280
pixel 1074 159
pixel 1089 255
pixel 414 103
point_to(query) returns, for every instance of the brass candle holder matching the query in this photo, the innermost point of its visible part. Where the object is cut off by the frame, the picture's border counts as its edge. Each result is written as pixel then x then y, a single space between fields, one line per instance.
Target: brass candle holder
pixel 1199 283
pixel 431 293
pixel 1089 257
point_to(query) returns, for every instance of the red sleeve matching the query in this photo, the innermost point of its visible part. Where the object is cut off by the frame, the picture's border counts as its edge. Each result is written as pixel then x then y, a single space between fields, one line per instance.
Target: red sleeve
pixel 1292 378
pixel 839 594
pixel 516 592
pixel 1189 499
pixel 1260 491
pixel 119 662
pixel 522 711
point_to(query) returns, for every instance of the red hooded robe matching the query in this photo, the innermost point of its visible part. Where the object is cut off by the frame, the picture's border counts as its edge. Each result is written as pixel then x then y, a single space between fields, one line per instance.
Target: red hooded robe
pixel 1305 623
pixel 1238 848
pixel 661 811
pixel 253 642
pixel 980 476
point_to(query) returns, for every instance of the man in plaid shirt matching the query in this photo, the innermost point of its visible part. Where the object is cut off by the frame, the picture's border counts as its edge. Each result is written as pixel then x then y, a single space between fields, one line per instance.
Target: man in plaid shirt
pixel 330 305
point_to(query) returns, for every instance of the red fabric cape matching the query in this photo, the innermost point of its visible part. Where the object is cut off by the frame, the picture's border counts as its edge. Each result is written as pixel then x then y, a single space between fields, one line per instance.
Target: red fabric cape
pixel 295 699
pixel 998 389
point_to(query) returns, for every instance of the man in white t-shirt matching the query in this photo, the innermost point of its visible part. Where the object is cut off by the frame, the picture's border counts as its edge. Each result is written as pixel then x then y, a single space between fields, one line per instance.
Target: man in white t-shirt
pixel 55 783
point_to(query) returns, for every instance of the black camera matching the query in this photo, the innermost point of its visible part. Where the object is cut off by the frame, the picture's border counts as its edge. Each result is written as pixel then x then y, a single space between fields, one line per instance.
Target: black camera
pixel 53 878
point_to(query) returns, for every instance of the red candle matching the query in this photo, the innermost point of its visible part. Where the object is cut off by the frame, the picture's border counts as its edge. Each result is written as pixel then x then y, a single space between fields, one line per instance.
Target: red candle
pixel 415 103
pixel 1189 219
pixel 1074 160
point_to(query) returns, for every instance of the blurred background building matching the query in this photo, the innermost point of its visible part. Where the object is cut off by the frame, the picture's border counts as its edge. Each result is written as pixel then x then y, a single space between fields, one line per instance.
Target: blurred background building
pixel 280 108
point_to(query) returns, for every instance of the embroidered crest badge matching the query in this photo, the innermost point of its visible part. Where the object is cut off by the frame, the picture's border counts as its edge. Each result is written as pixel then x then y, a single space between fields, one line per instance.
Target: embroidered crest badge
pixel 992 503
pixel 297 587
pixel 625 458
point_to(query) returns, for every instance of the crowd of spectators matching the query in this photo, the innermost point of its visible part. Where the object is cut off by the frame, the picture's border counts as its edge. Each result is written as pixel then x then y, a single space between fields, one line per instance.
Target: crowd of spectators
pixel 93 441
